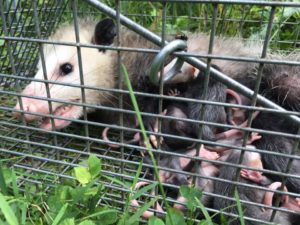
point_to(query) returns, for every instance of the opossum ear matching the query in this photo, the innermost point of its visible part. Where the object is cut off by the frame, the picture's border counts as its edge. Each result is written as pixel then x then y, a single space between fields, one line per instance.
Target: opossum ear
pixel 104 33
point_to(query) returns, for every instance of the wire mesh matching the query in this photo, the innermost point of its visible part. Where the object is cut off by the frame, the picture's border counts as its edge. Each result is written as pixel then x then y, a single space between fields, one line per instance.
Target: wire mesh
pixel 48 156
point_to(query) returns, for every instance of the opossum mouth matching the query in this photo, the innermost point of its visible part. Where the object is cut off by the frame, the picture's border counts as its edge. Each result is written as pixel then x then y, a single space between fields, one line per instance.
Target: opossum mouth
pixel 65 111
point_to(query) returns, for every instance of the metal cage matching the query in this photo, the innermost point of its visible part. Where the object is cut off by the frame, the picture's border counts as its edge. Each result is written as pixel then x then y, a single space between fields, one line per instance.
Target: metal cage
pixel 48 157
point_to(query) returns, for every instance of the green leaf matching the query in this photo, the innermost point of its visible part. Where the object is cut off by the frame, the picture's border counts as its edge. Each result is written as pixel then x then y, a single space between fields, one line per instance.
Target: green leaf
pixel 60 214
pixel 184 191
pixel 88 222
pixel 290 11
pixel 155 221
pixel 63 192
pixel 7 211
pixel 92 191
pixel 2 42
pixel 94 165
pixel 83 175
pixel 175 217
pixel 68 221
pixel 192 195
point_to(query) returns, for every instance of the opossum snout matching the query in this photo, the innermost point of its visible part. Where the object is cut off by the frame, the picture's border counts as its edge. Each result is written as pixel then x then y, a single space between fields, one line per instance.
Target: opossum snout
pixel 32 106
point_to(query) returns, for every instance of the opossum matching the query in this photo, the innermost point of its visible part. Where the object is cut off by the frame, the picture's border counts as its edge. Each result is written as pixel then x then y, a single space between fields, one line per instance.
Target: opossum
pixel 280 144
pixel 100 68
pixel 252 160
pixel 281 84
pixel 216 92
pixel 194 89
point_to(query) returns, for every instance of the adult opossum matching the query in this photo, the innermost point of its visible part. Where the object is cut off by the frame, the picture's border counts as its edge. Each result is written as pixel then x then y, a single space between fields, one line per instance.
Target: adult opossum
pixel 100 68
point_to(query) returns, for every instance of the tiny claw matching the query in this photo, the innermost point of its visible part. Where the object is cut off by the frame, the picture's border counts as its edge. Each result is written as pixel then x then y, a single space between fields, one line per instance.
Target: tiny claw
pixel 174 92
pixel 204 153
pixel 153 140
pixel 251 175
pixel 164 176
pixel 253 137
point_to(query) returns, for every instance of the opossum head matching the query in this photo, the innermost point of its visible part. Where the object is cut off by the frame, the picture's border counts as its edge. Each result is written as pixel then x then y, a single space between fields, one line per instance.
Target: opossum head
pixel 62 65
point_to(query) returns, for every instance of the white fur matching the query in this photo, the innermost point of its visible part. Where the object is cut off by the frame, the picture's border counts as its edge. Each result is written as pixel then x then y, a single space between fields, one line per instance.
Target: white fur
pixel 96 65
pixel 97 72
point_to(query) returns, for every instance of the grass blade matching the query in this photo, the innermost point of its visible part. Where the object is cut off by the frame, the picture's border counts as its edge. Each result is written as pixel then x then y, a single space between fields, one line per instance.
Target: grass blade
pixel 111 212
pixel 137 175
pixel 141 210
pixel 23 213
pixel 3 186
pixel 205 213
pixel 117 181
pixel 146 139
pixel 60 214
pixel 14 184
pixel 7 211
pixel 143 190
pixel 239 207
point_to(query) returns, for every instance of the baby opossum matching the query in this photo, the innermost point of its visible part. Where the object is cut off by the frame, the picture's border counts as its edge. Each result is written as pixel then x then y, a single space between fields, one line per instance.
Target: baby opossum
pixel 273 122
pixel 252 160
pixel 281 84
pixel 194 89
pixel 100 68
pixel 216 92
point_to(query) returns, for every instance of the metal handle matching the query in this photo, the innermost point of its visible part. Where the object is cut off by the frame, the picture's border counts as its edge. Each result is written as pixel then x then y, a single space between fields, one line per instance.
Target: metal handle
pixel 176 45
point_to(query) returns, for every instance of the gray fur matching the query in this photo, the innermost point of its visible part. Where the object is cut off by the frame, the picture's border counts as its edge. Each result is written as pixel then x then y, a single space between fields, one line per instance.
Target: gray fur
pixel 246 194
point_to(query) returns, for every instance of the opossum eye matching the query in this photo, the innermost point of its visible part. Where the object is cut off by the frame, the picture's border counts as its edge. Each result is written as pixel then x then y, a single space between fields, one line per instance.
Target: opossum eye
pixel 66 68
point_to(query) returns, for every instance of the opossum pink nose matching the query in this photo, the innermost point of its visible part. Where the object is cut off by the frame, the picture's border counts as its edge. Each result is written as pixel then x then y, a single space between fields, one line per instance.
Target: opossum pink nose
pixel 28 106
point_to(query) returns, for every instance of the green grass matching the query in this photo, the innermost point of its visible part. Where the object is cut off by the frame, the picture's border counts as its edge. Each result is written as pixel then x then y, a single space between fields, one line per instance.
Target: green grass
pixel 76 201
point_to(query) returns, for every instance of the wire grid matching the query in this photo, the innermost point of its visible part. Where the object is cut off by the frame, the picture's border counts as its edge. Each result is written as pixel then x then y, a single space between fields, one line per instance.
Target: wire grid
pixel 18 19
pixel 48 157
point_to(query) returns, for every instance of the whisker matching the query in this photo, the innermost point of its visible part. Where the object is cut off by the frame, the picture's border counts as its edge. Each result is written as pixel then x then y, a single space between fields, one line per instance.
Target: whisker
pixel 285 97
